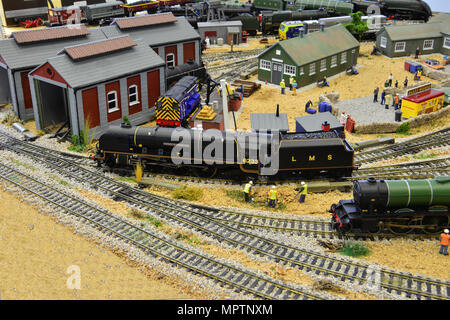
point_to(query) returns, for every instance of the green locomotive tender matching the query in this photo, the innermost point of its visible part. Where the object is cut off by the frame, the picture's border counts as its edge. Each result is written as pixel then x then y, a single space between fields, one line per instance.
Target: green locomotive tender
pixel 400 206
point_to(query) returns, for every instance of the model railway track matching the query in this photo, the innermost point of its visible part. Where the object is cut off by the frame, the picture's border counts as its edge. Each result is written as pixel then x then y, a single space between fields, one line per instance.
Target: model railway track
pixel 320 229
pixel 165 250
pixel 412 170
pixel 211 57
pixel 198 218
pixel 414 145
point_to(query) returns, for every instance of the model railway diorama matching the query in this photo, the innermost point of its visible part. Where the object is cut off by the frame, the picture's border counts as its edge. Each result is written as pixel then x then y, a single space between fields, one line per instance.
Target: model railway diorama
pixel 228 149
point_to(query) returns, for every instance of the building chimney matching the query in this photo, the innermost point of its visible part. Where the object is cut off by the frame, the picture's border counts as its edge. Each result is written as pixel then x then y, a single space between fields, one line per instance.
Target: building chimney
pixel 322 27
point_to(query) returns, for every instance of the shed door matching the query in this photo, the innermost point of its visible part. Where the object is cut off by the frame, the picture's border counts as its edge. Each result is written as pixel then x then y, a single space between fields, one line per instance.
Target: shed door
pixel 277 69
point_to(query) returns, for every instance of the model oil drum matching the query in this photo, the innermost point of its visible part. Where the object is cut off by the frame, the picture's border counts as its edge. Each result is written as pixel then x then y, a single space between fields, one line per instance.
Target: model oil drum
pixel 402 193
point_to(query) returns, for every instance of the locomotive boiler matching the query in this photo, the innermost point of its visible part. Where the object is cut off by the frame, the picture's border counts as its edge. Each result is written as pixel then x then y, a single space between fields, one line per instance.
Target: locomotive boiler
pixel 244 155
pixel 400 206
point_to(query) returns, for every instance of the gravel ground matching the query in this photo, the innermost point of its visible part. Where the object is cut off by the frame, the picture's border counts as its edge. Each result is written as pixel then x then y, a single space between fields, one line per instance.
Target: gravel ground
pixel 206 285
pixel 365 111
pixel 199 283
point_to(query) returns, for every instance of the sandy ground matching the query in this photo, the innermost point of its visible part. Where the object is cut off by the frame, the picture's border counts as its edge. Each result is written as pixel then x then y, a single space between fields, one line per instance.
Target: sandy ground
pixel 37 251
pixel 421 257
pixel 373 72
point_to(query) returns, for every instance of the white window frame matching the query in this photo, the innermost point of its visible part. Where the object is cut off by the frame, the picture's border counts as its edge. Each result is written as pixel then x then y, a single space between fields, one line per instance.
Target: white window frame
pixel 446 42
pixel 115 100
pixel 135 95
pixel 293 69
pixel 170 62
pixel 301 71
pixel 312 69
pixel 323 65
pixel 278 52
pixel 383 42
pixel 428 47
pixel 344 57
pixel 399 44
pixel 265 65
pixel 333 61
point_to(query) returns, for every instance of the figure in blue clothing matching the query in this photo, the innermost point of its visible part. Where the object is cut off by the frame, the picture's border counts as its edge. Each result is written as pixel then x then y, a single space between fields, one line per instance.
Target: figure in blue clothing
pixel 383 97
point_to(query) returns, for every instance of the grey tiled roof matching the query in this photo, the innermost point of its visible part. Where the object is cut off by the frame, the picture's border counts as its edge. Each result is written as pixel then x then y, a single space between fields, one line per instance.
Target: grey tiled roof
pixel 269 121
pixel 102 68
pixel 28 56
pixel 155 35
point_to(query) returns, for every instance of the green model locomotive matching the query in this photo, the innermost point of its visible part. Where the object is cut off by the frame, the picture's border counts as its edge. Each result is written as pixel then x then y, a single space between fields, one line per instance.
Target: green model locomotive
pixel 400 206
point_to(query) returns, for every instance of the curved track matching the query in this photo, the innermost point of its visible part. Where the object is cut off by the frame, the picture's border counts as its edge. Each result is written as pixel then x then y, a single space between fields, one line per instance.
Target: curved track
pixel 431 140
pixel 166 250
pixel 198 218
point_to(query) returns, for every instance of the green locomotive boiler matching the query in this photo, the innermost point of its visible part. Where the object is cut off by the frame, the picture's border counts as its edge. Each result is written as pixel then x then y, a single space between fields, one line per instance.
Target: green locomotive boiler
pixel 400 206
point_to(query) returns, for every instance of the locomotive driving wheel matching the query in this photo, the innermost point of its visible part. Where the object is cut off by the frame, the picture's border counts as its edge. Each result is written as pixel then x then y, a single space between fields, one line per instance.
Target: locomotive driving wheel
pixel 434 225
pixel 399 226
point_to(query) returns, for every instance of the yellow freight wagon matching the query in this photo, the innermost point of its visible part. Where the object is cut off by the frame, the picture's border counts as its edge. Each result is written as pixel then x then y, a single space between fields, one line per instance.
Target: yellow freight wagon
pixel 422 100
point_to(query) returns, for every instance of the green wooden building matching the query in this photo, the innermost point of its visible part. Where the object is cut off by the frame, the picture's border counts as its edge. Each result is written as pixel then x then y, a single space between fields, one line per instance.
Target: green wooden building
pixel 310 57
pixel 403 40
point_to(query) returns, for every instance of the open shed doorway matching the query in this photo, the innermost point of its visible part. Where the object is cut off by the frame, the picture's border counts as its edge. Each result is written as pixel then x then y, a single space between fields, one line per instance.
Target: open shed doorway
pixel 5 91
pixel 53 106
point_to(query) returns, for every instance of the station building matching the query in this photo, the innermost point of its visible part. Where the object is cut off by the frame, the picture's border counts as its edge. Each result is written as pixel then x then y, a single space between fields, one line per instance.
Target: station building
pixel 310 57
pixel 25 50
pixel 101 81
pixel 172 38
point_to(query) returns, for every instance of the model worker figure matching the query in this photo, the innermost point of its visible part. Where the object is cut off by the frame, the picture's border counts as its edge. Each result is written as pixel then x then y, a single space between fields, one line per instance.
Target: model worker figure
pixel 307 105
pixel 396 83
pixel 391 77
pixel 388 101
pixel 419 74
pixel 294 88
pixel 273 196
pixel 383 97
pixel 405 83
pixel 375 94
pixel 396 101
pixel 291 81
pixel 445 240
pixel 303 191
pixel 325 82
pixel 417 53
pixel 283 86
pixel 248 191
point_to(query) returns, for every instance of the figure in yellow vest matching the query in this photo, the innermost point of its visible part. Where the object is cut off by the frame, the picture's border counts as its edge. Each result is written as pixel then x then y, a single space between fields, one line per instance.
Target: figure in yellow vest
pixel 248 191
pixel 303 191
pixel 283 86
pixel 291 81
pixel 273 197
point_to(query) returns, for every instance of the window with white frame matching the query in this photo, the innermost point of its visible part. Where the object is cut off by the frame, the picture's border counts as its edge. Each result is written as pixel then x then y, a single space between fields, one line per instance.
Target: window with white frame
pixel 333 61
pixel 428 44
pixel 289 70
pixel 323 65
pixel 112 101
pixel 170 60
pixel 265 65
pixel 301 71
pixel 133 95
pixel 383 42
pixel 343 57
pixel 447 42
pixel 400 46
pixel 312 68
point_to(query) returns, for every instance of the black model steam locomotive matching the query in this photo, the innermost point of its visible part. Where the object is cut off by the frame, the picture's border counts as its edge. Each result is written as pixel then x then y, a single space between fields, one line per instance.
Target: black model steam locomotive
pixel 241 155
pixel 399 206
